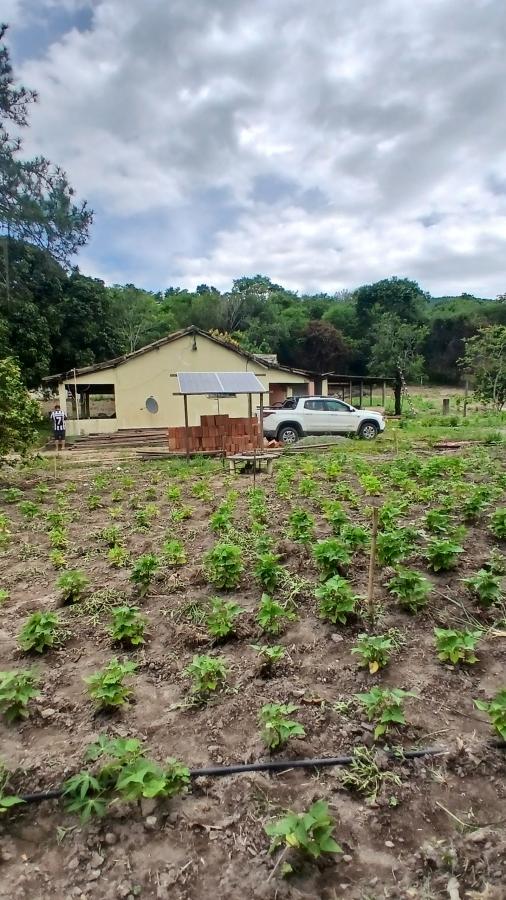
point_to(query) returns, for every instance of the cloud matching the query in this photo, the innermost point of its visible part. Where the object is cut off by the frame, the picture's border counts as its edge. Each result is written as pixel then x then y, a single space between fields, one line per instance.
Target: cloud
pixel 323 144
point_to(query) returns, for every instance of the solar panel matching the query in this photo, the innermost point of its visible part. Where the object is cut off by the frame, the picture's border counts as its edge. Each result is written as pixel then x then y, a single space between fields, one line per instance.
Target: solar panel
pixel 219 383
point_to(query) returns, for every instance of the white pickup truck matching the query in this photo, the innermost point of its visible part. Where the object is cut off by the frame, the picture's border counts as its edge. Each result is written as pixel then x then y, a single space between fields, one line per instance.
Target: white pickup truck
pixel 299 416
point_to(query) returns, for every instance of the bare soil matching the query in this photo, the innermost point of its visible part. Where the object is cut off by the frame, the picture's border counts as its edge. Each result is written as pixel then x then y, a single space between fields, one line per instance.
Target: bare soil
pixel 440 833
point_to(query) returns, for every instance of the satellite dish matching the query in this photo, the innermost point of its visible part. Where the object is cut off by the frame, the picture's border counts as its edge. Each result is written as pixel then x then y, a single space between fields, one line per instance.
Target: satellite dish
pixel 151 405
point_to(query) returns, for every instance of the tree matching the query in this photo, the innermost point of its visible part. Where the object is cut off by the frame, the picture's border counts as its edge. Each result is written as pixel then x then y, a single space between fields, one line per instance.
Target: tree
pixel 398 296
pixel 322 348
pixel 36 200
pixel 395 345
pixel 485 357
pixel 136 315
pixel 88 330
pixel 19 414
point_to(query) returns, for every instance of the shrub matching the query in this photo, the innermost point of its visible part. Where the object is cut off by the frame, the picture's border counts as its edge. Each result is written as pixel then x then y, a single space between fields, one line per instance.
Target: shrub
pixel 496 708
pixel 331 556
pixel 374 651
pixel 128 626
pixel 208 674
pixel 485 586
pixel 224 565
pixel 72 585
pixel 272 615
pixel 143 572
pixel 268 570
pixel 16 690
pixel 174 553
pixel 336 601
pixel 456 646
pixel 385 707
pixel 498 523
pixel 106 687
pixel 277 729
pixel 443 554
pixel 220 620
pixel 310 833
pixel 410 588
pixel 40 632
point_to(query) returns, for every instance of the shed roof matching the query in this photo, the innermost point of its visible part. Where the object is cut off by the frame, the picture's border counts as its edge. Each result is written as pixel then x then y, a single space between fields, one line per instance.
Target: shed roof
pixel 175 336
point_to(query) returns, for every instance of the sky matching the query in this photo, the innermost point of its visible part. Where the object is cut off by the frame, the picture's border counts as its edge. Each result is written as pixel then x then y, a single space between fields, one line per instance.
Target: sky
pixel 325 144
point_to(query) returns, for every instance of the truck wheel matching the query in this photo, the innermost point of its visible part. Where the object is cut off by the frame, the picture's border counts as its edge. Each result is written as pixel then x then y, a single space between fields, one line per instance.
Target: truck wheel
pixel 368 431
pixel 288 434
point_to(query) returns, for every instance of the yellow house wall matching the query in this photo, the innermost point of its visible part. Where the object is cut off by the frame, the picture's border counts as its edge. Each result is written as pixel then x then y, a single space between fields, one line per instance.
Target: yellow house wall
pixel 149 375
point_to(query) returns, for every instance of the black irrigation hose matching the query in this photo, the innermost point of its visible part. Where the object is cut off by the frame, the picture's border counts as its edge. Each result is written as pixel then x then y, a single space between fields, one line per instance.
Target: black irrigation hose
pixel 275 765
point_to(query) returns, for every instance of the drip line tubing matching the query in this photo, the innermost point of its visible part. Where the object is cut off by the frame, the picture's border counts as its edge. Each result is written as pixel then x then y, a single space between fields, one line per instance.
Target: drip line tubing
pixel 277 765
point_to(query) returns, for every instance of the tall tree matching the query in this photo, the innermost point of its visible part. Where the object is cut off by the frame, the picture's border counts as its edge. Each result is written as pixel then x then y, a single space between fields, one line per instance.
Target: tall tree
pixel 19 414
pixel 399 296
pixel 137 316
pixel 395 345
pixel 36 200
pixel 485 358
pixel 323 348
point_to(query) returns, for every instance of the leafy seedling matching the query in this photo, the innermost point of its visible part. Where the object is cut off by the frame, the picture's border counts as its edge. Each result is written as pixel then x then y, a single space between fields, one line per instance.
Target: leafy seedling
pixel 456 646
pixel 221 620
pixel 111 535
pixel 393 546
pixel 496 709
pixel 272 615
pixel 118 557
pixel 309 833
pixel 58 539
pixel 58 559
pixel 277 729
pixel 269 656
pixel 301 526
pixel 496 563
pixel 374 651
pixel 4 596
pixel 268 570
pixel 128 626
pixel 29 509
pixel 335 516
pixel 438 521
pixel 221 520
pixel 385 706
pixel 443 554
pixel 72 585
pixel 40 632
pixel 498 523
pixel 371 485
pixel 12 495
pixel 355 537
pixel 173 492
pixel 181 514
pixel 332 557
pixel 336 600
pixel 143 572
pixel 93 501
pixel 208 674
pixel 224 565
pixel 16 690
pixel 485 586
pixel 106 687
pixel 143 517
pixel 411 589
pixel 174 553
pixel 7 801
pixel 84 795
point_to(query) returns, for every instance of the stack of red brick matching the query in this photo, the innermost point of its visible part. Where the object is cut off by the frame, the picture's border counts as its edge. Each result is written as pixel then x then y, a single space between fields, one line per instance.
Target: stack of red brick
pixel 217 433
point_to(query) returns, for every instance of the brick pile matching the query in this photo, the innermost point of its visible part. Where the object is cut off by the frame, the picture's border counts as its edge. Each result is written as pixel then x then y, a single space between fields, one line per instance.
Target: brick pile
pixel 217 433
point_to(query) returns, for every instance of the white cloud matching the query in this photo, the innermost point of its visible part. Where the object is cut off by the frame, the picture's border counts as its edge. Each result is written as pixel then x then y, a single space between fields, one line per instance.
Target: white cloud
pixel 384 121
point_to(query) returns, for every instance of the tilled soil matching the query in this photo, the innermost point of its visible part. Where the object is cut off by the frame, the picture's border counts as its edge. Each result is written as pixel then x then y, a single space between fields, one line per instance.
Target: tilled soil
pixel 439 833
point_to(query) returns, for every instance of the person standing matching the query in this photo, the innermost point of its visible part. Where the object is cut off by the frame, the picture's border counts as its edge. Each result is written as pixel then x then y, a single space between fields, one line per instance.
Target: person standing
pixel 58 418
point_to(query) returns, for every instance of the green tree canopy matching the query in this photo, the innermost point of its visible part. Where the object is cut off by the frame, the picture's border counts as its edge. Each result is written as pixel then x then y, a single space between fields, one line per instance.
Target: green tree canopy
pixel 485 358
pixel 19 414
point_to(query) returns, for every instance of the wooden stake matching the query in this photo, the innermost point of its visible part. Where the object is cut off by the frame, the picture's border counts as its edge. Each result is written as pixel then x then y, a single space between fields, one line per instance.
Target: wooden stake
pixel 372 565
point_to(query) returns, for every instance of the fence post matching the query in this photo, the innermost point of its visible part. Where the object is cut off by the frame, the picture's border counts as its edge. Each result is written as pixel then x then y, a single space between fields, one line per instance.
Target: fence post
pixel 446 406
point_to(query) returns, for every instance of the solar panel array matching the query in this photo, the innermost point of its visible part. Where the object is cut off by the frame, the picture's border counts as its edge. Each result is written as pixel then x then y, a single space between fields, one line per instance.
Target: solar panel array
pixel 219 383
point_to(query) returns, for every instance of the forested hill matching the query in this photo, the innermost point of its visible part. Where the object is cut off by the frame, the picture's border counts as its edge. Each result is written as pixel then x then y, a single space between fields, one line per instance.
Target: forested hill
pixel 55 320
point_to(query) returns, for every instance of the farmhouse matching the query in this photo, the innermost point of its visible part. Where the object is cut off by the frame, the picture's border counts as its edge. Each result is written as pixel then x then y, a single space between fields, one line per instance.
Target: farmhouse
pixel 139 390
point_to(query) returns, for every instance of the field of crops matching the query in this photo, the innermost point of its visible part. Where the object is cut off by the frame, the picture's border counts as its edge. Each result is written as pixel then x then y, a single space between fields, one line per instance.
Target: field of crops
pixel 162 617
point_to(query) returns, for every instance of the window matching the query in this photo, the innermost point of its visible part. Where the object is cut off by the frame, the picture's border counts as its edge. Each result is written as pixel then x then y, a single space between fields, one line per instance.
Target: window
pixel 315 405
pixel 336 406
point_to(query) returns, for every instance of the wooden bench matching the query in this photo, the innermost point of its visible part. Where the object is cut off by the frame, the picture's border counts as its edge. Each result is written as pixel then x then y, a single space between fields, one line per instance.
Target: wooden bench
pixel 254 460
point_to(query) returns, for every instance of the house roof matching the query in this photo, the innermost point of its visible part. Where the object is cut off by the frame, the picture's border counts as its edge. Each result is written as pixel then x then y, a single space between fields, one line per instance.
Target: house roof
pixel 170 338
